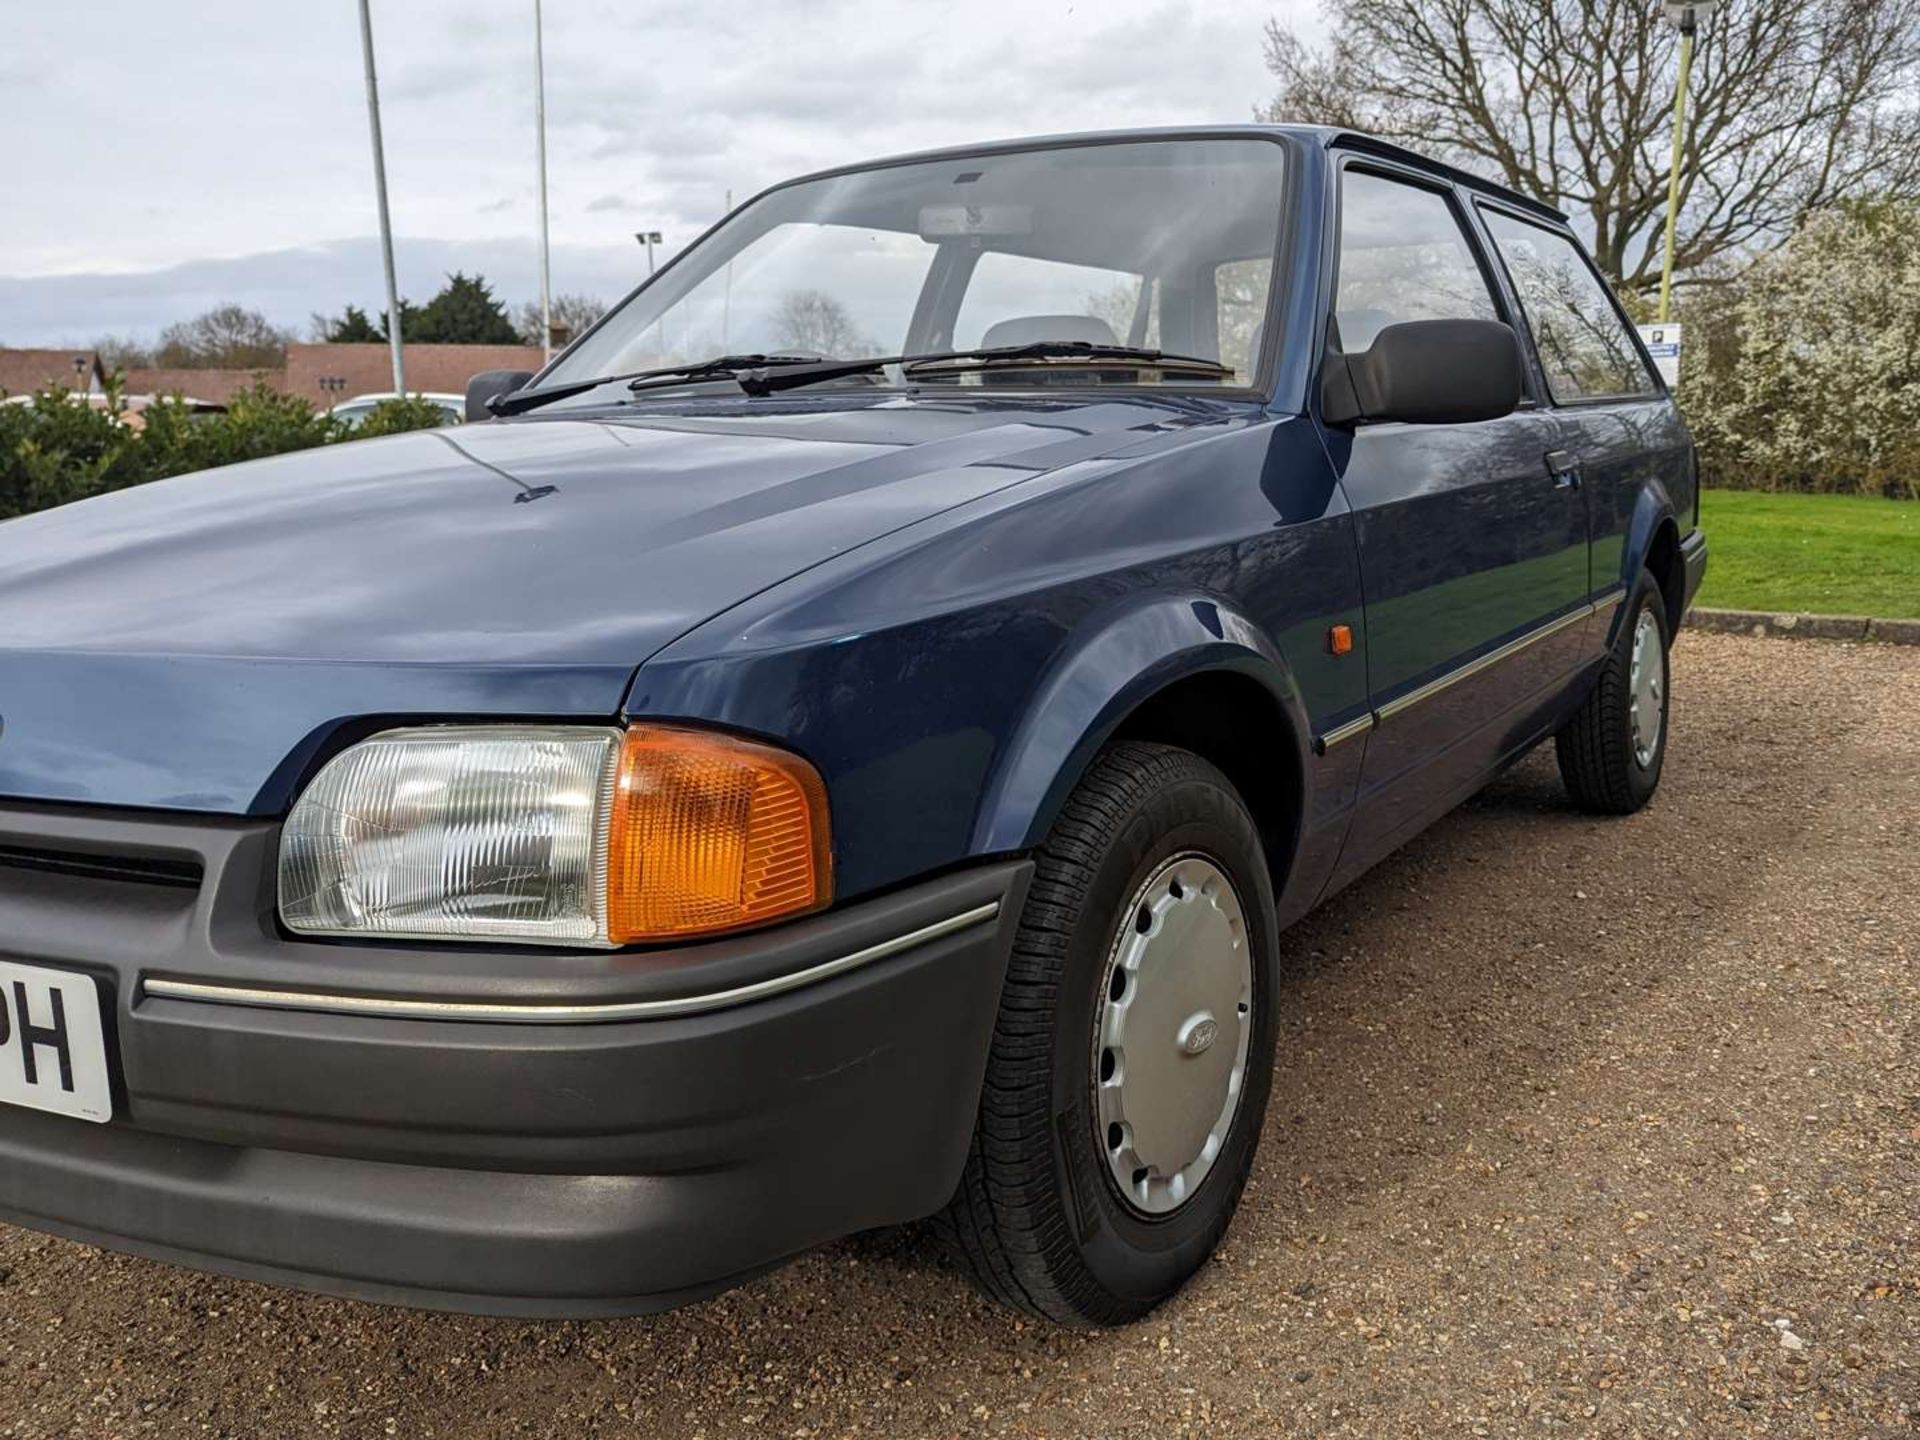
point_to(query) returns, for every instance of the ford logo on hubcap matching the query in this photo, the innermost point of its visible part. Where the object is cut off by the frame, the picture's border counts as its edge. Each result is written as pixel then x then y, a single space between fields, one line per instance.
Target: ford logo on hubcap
pixel 1198 1033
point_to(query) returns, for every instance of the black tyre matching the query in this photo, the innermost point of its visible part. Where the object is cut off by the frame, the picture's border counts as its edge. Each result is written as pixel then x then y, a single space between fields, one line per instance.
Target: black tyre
pixel 1134 1048
pixel 1612 750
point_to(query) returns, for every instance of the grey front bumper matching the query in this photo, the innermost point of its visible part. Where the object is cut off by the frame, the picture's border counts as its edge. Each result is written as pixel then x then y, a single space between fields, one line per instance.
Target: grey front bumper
pixel 557 1164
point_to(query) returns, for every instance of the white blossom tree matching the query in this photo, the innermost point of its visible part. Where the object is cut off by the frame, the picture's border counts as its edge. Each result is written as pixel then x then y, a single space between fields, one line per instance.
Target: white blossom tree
pixel 1804 373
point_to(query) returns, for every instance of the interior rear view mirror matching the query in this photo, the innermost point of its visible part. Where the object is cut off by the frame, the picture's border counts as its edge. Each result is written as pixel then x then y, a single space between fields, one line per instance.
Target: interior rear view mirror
pixel 950 222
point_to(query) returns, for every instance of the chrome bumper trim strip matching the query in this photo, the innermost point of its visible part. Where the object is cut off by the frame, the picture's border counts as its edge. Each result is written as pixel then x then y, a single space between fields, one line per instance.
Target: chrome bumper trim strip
pixel 535 1013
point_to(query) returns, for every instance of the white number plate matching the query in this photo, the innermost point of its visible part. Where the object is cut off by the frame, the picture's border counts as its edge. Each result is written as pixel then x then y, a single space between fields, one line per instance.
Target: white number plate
pixel 53 1055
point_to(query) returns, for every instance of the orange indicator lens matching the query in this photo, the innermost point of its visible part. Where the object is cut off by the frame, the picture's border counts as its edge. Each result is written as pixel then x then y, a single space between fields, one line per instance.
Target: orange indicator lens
pixel 709 833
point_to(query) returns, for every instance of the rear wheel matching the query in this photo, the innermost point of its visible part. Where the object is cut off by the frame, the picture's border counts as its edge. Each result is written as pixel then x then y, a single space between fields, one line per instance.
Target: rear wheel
pixel 1613 749
pixel 1133 1052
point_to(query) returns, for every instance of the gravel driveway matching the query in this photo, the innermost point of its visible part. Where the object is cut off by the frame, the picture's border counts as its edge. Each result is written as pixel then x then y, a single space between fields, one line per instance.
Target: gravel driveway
pixel 1581 1127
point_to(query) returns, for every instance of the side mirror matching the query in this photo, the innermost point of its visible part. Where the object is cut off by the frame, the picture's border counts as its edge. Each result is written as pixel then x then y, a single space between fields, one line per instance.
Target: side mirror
pixel 1426 372
pixel 488 384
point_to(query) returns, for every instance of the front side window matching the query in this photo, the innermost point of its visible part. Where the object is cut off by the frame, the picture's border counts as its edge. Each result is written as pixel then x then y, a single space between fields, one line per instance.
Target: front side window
pixel 1584 346
pixel 1168 244
pixel 1403 256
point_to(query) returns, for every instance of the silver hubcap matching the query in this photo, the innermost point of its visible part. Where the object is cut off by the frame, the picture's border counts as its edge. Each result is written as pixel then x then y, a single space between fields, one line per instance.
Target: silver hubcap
pixel 1647 681
pixel 1171 1036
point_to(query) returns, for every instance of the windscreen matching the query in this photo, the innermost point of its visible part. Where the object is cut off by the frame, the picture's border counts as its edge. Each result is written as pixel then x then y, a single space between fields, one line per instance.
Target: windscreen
pixel 1167 244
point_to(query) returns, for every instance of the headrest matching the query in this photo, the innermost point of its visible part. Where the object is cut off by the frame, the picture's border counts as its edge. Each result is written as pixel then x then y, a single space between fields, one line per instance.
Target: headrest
pixel 1025 329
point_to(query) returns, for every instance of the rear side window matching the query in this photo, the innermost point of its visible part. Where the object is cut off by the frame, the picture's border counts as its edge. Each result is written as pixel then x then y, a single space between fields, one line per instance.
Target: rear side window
pixel 1012 299
pixel 1403 256
pixel 1584 347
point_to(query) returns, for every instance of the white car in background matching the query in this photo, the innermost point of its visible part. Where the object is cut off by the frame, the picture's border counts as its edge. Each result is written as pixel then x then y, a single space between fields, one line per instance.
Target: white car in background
pixel 352 412
pixel 131 409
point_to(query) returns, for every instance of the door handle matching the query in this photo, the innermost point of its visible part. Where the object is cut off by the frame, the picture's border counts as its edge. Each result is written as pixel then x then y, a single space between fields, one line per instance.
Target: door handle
pixel 1564 469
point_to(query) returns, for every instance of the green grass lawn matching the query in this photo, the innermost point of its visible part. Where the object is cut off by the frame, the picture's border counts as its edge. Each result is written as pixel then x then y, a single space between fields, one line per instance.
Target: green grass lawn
pixel 1818 554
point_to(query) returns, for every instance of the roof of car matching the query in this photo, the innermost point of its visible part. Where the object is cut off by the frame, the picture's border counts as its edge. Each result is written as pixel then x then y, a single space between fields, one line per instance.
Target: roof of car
pixel 1336 138
pixel 1327 136
pixel 375 397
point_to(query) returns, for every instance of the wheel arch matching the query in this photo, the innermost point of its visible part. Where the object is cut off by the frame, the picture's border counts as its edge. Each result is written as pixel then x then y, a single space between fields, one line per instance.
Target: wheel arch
pixel 1183 671
pixel 1653 544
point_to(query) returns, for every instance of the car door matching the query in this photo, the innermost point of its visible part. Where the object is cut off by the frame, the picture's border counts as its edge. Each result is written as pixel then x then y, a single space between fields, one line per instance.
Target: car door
pixel 1618 423
pixel 1472 537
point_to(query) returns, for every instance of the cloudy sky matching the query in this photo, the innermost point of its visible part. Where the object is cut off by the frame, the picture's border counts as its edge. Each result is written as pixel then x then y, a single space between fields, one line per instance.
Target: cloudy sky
pixel 162 158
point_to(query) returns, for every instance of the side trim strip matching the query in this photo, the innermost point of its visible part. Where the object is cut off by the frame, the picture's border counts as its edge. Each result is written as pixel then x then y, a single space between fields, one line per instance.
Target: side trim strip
pixel 1345 732
pixel 400 1008
pixel 1403 703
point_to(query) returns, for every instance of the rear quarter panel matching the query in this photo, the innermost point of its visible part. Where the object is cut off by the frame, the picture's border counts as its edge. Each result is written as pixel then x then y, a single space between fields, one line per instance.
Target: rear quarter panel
pixel 1637 464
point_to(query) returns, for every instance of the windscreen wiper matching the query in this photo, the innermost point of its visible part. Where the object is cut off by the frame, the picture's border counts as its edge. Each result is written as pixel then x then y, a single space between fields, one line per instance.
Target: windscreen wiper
pixel 768 382
pixel 515 402
pixel 721 367
pixel 770 374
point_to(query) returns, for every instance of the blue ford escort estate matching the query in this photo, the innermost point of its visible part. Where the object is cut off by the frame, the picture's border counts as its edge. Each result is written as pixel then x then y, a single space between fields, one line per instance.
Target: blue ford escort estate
pixel 844 744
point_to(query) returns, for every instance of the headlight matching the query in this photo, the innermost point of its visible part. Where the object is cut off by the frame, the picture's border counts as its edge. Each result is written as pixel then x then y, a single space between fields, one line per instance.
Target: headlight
pixel 567 835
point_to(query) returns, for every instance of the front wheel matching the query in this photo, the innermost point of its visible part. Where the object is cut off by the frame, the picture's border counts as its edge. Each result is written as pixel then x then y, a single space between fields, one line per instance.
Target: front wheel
pixel 1133 1052
pixel 1611 752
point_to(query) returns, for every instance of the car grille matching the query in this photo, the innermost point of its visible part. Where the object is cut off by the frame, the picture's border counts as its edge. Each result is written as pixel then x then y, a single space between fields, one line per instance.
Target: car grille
pixel 177 872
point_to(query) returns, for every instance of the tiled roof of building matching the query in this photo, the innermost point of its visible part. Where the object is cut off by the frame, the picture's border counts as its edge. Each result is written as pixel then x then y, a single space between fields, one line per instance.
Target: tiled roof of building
pixel 24 371
pixel 368 369
pixel 215 385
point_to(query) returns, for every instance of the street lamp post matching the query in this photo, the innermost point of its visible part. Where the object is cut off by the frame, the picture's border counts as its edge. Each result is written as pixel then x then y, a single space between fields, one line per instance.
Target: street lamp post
pixel 648 238
pixel 1688 15
pixel 540 134
pixel 380 188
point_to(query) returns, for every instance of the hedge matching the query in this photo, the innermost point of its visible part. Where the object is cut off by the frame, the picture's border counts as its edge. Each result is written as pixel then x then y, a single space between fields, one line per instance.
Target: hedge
pixel 53 450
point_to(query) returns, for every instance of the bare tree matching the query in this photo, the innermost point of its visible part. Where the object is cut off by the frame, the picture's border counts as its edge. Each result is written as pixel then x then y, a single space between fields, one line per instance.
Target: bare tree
pixel 812 320
pixel 122 352
pixel 228 336
pixel 572 314
pixel 1796 104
